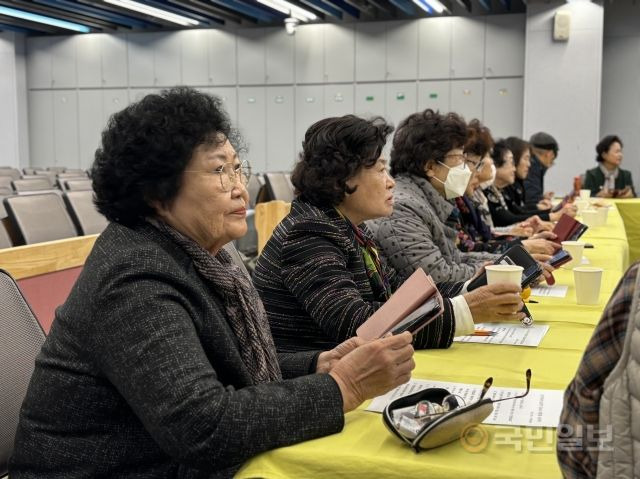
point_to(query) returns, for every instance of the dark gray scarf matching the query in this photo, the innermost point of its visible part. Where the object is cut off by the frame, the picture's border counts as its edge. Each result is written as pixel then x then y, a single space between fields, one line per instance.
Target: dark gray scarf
pixel 244 309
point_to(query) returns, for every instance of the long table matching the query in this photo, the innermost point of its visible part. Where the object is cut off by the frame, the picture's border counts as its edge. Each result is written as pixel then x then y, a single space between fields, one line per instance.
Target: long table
pixel 366 449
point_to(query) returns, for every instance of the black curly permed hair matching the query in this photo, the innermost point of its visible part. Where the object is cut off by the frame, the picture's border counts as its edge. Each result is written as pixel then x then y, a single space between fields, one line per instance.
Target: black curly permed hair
pixel 333 151
pixel 425 136
pixel 147 146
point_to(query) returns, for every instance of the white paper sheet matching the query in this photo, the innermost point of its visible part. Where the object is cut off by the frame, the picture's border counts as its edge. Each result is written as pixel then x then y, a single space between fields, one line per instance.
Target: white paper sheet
pixel 540 408
pixel 511 334
pixel 555 291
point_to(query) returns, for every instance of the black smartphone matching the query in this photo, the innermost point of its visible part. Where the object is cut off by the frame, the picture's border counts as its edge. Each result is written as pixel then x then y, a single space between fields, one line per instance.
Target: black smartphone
pixel 560 258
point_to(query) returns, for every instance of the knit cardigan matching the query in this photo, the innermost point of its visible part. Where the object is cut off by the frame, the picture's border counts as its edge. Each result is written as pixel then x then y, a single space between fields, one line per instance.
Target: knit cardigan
pixel 314 285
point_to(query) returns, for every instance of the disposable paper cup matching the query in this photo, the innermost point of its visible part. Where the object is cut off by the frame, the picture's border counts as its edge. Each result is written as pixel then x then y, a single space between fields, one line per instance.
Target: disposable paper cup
pixel 581 205
pixel 575 249
pixel 585 195
pixel 587 281
pixel 504 273
pixel 590 218
pixel 603 214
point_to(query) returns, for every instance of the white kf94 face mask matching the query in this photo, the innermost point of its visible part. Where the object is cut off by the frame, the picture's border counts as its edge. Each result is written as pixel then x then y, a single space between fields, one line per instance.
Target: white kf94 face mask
pixel 456 182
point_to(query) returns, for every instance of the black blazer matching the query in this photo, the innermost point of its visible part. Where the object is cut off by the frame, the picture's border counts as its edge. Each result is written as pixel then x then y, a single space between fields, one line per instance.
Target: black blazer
pixel 314 285
pixel 141 377
pixel 594 180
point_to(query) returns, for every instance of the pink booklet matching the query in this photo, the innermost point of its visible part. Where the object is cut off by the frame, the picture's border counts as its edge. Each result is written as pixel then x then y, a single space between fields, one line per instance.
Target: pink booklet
pixel 414 305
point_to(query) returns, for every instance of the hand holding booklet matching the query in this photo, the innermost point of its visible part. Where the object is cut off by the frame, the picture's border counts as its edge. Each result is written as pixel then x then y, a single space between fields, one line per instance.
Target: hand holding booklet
pixel 414 305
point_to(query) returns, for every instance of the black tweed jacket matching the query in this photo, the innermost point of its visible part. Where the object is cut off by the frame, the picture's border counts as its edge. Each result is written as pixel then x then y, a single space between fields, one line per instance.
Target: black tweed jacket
pixel 141 377
pixel 314 285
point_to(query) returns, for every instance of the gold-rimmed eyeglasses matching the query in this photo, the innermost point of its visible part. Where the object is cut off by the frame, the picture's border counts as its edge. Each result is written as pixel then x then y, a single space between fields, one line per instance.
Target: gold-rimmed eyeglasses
pixel 229 174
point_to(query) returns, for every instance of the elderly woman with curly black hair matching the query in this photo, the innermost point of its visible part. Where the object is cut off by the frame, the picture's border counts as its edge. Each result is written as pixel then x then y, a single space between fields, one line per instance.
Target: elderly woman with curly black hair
pixel 160 363
pixel 320 275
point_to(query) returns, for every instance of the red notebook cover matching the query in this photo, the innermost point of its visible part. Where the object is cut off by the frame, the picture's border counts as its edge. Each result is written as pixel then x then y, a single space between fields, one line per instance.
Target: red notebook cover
pixel 565 228
pixel 413 293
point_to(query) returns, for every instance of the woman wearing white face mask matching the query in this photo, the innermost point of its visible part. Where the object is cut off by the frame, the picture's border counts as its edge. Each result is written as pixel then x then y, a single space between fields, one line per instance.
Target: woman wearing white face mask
pixel 473 219
pixel 430 168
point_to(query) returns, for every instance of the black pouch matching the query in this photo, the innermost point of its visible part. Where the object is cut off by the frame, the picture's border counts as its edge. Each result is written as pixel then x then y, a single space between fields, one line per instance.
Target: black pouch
pixel 442 429
pixel 448 426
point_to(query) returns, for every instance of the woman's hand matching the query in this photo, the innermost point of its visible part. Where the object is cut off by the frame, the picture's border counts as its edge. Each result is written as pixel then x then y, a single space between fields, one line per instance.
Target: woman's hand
pixel 374 368
pixel 547 269
pixel 540 245
pixel 500 302
pixel 544 204
pixel 568 209
pixel 626 192
pixel 604 193
pixel 328 359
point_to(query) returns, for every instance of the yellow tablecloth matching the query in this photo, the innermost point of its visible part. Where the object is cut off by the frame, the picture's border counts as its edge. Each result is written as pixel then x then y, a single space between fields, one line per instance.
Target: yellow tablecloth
pixel 365 449
pixel 630 212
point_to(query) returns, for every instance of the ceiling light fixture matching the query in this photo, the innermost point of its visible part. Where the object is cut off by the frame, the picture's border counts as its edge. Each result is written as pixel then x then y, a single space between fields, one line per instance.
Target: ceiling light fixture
pixel 154 12
pixel 34 17
pixel 423 6
pixel 289 9
pixel 436 5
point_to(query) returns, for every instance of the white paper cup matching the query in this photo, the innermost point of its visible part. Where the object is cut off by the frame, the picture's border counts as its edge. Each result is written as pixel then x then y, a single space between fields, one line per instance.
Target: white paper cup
pixel 587 281
pixel 575 249
pixel 504 273
pixel 581 205
pixel 603 214
pixel 590 218
pixel 585 195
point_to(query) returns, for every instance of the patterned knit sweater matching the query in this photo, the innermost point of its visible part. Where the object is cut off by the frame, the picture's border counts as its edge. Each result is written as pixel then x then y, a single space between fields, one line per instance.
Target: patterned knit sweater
pixel 314 285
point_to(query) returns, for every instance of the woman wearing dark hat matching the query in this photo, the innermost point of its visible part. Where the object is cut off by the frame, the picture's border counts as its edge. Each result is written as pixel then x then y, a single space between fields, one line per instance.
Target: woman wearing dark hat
pixel 544 151
pixel 608 180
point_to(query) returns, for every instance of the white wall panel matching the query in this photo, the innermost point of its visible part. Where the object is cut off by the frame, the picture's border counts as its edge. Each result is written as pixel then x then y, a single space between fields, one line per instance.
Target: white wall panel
pixel 279 55
pixel 309 47
pixel 339 100
pixel 252 115
pixel 339 53
pixel 434 47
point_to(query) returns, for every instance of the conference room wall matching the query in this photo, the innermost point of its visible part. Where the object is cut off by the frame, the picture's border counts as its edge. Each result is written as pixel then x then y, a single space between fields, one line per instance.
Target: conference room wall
pixel 14 140
pixel 563 85
pixel 620 78
pixel 472 65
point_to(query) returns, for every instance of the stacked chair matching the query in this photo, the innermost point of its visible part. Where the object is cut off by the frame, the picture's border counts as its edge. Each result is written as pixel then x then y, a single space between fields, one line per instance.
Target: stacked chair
pixel 46 204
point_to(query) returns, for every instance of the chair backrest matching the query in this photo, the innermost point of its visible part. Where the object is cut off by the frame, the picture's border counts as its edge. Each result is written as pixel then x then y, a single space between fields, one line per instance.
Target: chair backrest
pixel 267 217
pixel 79 184
pixel 32 184
pixel 279 186
pixel 73 172
pixel 12 172
pixel 253 188
pixel 5 241
pixel 39 218
pixel 235 256
pixel 83 212
pixel 5 182
pixel 56 169
pixel 64 177
pixel 21 339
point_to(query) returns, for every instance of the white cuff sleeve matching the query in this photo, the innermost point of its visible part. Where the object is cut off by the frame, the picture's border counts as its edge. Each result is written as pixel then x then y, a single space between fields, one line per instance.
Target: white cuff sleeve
pixel 462 316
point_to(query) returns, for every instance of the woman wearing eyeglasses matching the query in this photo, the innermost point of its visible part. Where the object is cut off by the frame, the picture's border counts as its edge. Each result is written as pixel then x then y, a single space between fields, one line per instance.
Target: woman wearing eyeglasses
pixel 161 362
pixel 431 170
pixel 321 274
pixel 469 218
